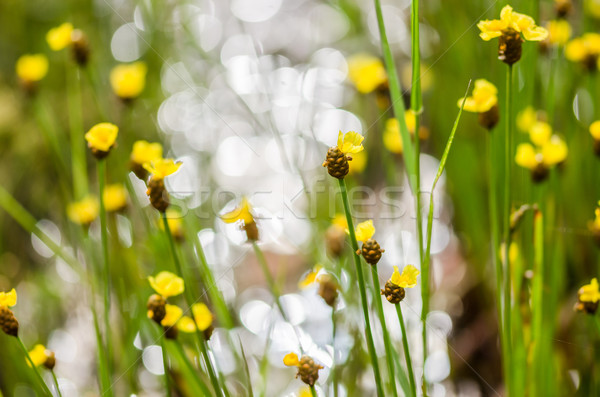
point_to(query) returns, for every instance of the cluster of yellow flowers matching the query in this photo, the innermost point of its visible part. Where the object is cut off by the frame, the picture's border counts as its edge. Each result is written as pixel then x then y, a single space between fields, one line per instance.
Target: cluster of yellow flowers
pixel 584 50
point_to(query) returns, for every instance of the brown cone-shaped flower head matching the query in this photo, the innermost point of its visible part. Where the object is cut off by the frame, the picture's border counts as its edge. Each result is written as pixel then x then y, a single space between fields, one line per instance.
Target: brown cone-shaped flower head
pixel 157 308
pixel 371 251
pixel 393 293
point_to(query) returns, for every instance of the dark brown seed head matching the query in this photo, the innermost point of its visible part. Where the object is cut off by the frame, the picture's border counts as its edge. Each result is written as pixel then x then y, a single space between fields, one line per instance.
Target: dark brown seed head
pixel 139 170
pixel 371 251
pixel 308 370
pixel 208 332
pixel 539 173
pixel 562 8
pixel 336 163
pixel 80 47
pixel 334 241
pixel 50 360
pixel 171 332
pixel 393 293
pixel 99 154
pixel 251 231
pixel 159 198
pixel 510 46
pixel 489 119
pixel 157 308
pixel 8 321
pixel 328 289
pixel 586 307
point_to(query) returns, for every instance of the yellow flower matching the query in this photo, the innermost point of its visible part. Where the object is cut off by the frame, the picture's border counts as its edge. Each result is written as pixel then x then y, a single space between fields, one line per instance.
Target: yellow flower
pixel 526 156
pixel 483 99
pixel 554 151
pixel 243 212
pixel 32 68
pixel 559 32
pixel 391 136
pixel 595 130
pixel 540 132
pixel 408 278
pixel 358 163
pixel 291 360
pixel 366 72
pixel 144 152
pixel 186 324
pixel 582 48
pixel 511 20
pixel 161 168
pixel 350 142
pixel 526 119
pixel 38 355
pixel 114 197
pixel 596 223
pixel 175 223
pixel 173 315
pixel 304 392
pixel 59 37
pixel 83 212
pixel 128 81
pixel 310 277
pixel 365 230
pixel 340 221
pixel 202 316
pixel 167 284
pixel 8 299
pixel 590 292
pixel 102 136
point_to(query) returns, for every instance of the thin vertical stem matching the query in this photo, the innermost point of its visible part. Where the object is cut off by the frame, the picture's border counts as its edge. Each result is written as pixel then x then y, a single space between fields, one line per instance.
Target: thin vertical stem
pixel 56 383
pixel 334 380
pixel 507 207
pixel 411 374
pixel 106 265
pixel 362 289
pixel 166 365
pixel 35 369
pixel 389 350
pixel 78 164
pixel 313 392
pixel 200 338
pixel 269 277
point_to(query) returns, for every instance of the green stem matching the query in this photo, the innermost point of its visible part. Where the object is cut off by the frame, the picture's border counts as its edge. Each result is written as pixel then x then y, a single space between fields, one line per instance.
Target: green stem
pixel 78 163
pixel 35 369
pixel 389 350
pixel 334 380
pixel 411 374
pixel 200 338
pixel 362 289
pixel 166 365
pixel 507 206
pixel 313 392
pixel 106 264
pixel 269 277
pixel 56 383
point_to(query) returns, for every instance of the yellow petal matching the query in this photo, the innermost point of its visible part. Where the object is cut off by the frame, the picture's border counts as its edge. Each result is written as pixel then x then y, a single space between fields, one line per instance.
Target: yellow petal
pixel 167 284
pixel 590 292
pixel 358 163
pixel 408 278
pixel 202 316
pixel 310 277
pixel 506 14
pixel 161 168
pixel 365 230
pixel 410 118
pixel 526 119
pixel 59 37
pixel 291 360
pixel 366 72
pixel 186 324
pixel 350 142
pixel 391 136
pixel 114 197
pixel 491 28
pixel 595 130
pixel 31 68
pixel 9 298
pixel 526 156
pixel 559 31
pixel 540 132
pixel 470 104
pixel 340 221
pixel 38 355
pixel 554 151
pixel 173 315
pixel 84 212
pixel 243 213
pixel 128 81
pixel 146 152
pixel 535 33
pixel 102 136
pixel 522 22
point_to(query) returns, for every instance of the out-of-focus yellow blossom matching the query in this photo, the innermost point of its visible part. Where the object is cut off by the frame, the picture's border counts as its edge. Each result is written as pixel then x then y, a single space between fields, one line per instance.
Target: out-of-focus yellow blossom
pixel 365 230
pixel 559 32
pixel 540 132
pixel 596 223
pixel 32 68
pixel 174 313
pixel 510 19
pixel 114 197
pixel 590 292
pixel 584 49
pixel 174 219
pixel 291 360
pixel 83 212
pixel 366 72
pixel 145 152
pixel 186 324
pixel 406 279
pixel 128 81
pixel 593 8
pixel 410 118
pixel 202 316
pixel 485 96
pixel 102 136
pixel 392 139
pixel 167 284
pixel 59 37
pixel 340 221
pixel 358 163
pixel 310 277
pixel 551 152
pixel 526 156
pixel 8 299
pixel 526 119
pixel 304 392
pixel 554 151
pixel 513 252
pixel 595 130
pixel 39 355
pixel 243 213
pixel 162 168
pixel 350 142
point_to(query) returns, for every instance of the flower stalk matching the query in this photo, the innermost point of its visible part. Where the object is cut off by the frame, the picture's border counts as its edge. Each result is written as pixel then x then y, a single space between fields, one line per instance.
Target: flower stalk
pixel 411 374
pixel 34 367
